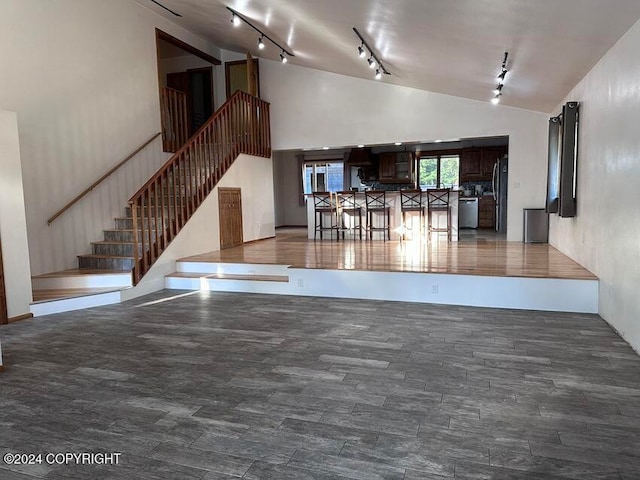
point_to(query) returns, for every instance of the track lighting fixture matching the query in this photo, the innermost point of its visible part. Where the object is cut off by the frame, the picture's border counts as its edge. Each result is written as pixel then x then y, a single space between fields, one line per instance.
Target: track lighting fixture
pixel 237 19
pixel 373 59
pixel 497 92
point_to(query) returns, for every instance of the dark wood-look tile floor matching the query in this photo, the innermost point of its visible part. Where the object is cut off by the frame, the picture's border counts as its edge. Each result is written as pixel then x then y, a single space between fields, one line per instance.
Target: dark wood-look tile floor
pixel 204 385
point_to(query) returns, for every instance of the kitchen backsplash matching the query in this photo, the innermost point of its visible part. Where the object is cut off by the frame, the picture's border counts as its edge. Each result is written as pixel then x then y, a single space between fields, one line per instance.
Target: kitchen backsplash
pixel 485 186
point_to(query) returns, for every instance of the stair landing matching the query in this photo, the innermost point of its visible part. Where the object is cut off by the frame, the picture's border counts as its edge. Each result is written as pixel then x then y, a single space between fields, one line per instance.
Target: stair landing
pixel 61 291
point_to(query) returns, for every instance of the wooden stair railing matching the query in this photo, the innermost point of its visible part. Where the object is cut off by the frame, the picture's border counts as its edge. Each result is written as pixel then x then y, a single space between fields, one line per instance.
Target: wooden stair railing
pixel 101 179
pixel 168 200
pixel 175 124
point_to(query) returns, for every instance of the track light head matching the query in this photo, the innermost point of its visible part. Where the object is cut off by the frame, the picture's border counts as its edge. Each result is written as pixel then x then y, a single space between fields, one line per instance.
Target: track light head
pixel 503 74
pixel 361 52
pixel 372 62
pixel 495 100
pixel 235 20
pixel 498 89
pixel 378 74
pixel 260 44
pixel 283 57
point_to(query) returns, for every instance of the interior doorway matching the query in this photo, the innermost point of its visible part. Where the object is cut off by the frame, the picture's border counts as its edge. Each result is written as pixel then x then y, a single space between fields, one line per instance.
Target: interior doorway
pixel 230 208
pixel 197 84
pixel 186 80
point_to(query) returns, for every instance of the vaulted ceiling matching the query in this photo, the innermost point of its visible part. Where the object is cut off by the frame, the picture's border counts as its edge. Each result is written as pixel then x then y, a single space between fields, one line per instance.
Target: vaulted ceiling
pixel 454 47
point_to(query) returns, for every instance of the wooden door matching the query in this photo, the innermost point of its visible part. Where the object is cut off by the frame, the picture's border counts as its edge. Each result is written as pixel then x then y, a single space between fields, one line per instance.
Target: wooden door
pixel 3 297
pixel 230 206
pixel 238 77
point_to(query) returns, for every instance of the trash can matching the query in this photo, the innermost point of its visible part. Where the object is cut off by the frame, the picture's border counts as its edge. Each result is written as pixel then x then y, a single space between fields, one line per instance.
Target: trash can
pixel 536 225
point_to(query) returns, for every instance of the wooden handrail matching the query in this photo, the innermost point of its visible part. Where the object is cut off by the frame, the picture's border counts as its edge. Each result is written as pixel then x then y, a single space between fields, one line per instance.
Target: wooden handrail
pixel 101 179
pixel 164 204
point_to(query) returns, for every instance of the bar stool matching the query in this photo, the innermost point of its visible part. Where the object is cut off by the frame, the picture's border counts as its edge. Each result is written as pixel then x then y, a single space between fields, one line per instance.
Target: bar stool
pixel 324 206
pixel 376 202
pixel 348 211
pixel 438 201
pixel 411 201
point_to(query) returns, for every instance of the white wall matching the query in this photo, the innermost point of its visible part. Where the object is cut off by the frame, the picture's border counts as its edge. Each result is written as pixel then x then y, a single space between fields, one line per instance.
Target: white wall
pixel 312 109
pixel 604 237
pixel 82 77
pixel 202 234
pixel 13 225
pixel 286 179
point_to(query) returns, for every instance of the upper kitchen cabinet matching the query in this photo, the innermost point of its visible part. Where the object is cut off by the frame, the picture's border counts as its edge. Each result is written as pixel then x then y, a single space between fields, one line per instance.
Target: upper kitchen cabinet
pixel 470 164
pixel 396 167
pixel 490 156
pixel 476 164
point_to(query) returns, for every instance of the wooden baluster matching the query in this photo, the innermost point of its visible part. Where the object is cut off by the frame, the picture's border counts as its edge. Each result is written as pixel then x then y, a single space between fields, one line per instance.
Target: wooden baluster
pixel 166 211
pixel 207 157
pixel 267 152
pixel 149 226
pixel 181 190
pixel 217 147
pixel 175 193
pixel 200 168
pixel 184 122
pixel 136 257
pixel 254 126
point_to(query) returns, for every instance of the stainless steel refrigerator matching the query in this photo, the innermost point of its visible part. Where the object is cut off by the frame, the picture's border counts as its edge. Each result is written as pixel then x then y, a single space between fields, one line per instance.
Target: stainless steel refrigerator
pixel 499 184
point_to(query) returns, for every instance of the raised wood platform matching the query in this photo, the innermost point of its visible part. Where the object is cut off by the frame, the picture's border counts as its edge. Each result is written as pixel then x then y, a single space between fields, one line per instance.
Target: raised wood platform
pixel 468 257
pixel 476 272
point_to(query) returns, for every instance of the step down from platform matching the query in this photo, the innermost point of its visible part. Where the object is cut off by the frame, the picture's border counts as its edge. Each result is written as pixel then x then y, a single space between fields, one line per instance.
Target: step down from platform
pixel 229 277
pixel 77 288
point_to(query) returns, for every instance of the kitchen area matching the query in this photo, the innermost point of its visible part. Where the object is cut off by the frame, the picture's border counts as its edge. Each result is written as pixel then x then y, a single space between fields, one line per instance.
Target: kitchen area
pixel 476 171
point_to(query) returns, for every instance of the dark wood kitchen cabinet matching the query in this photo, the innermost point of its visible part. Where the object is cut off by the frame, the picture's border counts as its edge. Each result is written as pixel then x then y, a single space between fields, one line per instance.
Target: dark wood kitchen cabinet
pixel 387 166
pixel 396 167
pixel 470 164
pixel 486 212
pixel 476 164
pixel 489 158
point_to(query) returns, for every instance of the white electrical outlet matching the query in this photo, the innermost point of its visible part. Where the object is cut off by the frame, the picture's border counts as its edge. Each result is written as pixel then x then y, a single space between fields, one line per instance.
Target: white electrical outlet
pixel 434 288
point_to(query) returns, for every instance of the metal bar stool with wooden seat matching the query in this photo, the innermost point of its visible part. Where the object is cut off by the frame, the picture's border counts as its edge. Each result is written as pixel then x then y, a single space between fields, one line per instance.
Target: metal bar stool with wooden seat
pixel 324 206
pixel 349 212
pixel 438 201
pixel 376 203
pixel 411 201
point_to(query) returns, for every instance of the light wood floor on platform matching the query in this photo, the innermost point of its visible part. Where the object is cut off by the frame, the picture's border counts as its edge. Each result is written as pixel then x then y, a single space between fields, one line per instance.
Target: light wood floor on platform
pixel 469 257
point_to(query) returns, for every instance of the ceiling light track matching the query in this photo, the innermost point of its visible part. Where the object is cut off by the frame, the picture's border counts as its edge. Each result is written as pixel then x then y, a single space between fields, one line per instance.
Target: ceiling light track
pixel 497 92
pixel 166 8
pixel 236 18
pixel 373 59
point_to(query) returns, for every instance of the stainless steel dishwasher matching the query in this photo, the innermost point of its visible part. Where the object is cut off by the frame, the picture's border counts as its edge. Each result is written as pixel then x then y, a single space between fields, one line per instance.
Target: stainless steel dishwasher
pixel 468 212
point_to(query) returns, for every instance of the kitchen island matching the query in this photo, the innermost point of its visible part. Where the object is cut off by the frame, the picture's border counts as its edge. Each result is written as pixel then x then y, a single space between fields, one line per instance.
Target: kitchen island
pixel 393 200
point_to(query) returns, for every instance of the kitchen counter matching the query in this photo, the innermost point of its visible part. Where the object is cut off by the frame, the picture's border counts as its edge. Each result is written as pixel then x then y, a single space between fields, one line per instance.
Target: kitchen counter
pixel 393 199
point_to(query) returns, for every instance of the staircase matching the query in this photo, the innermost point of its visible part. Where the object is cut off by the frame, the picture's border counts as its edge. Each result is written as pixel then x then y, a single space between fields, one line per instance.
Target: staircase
pixel 165 203
pixel 115 251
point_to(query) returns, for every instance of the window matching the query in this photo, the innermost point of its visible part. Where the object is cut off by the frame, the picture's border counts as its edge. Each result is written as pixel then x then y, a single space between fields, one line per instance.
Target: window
pixel 439 171
pixel 322 176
